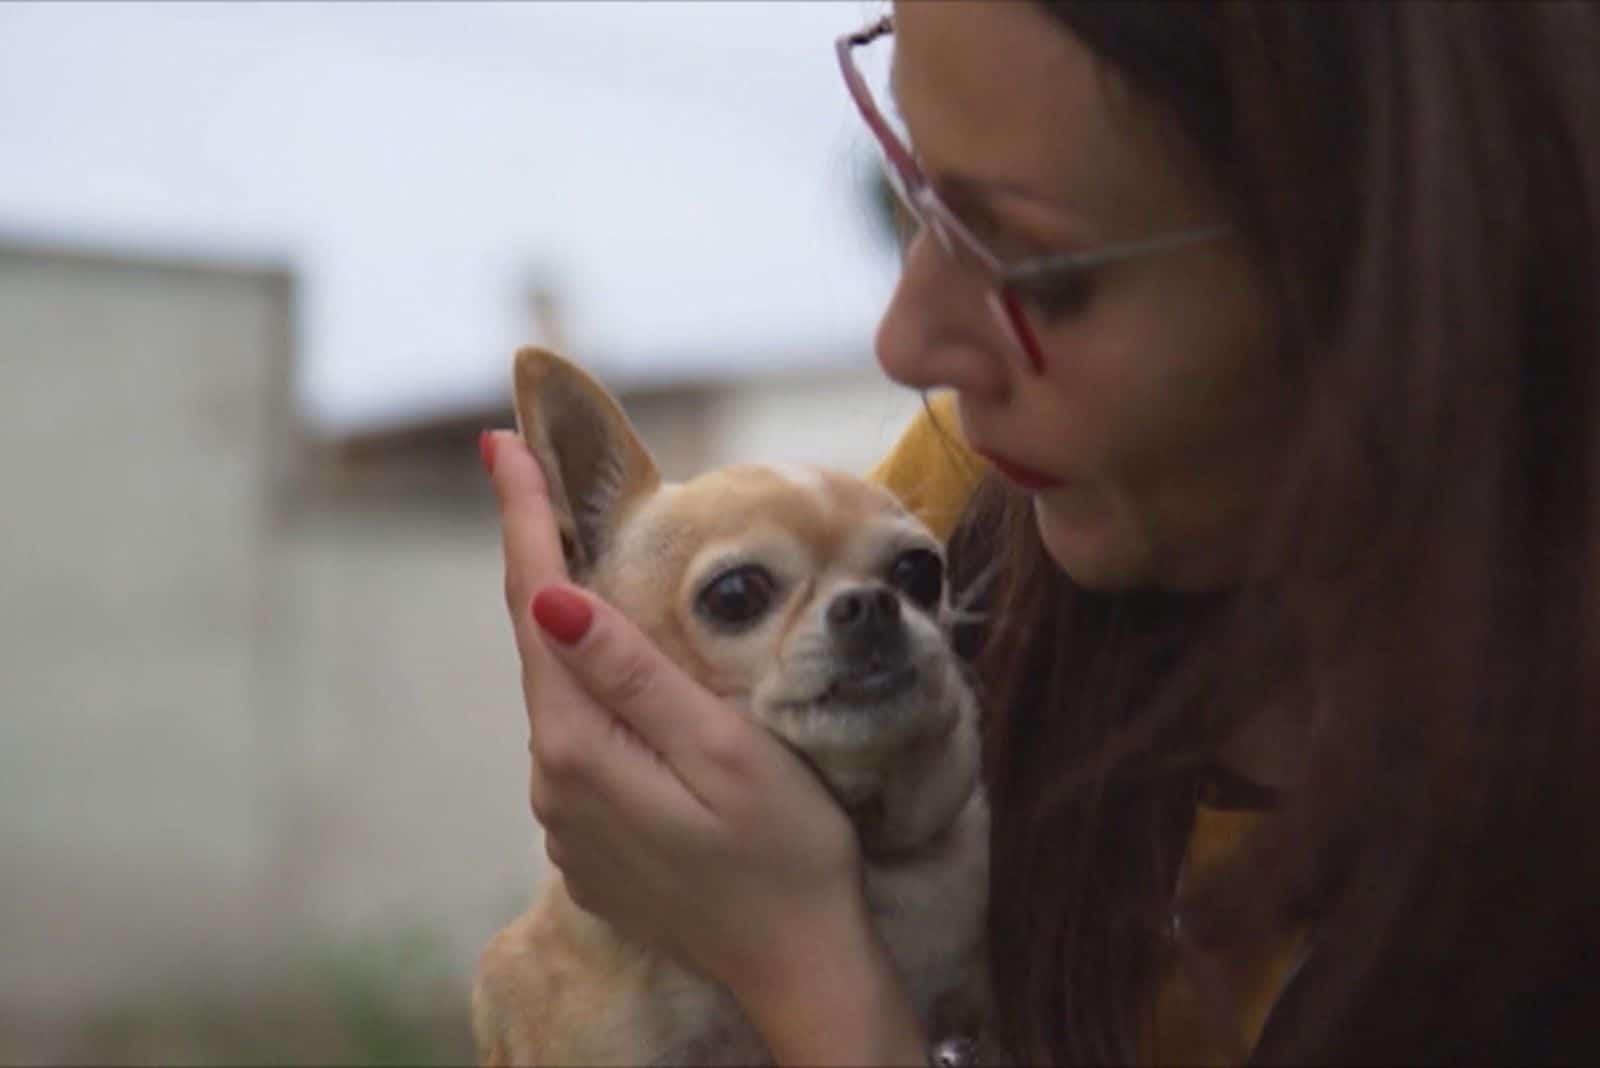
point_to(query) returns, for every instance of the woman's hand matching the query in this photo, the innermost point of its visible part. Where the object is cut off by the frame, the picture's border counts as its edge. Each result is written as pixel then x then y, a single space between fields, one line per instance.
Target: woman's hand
pixel 669 812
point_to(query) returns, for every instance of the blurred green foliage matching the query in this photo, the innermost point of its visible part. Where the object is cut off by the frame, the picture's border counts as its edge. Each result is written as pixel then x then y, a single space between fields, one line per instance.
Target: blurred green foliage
pixel 381 999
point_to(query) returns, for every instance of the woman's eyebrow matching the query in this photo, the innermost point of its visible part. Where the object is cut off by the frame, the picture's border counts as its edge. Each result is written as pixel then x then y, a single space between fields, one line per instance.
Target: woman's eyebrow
pixel 987 194
pixel 980 191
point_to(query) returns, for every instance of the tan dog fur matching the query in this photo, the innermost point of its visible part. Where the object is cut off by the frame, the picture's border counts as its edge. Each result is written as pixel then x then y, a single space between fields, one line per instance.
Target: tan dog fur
pixel 559 986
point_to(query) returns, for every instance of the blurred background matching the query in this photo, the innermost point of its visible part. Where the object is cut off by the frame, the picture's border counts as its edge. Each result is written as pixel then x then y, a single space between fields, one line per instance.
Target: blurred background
pixel 262 270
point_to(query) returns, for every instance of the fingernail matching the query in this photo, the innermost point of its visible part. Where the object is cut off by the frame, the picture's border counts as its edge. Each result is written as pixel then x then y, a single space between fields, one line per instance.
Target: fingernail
pixel 562 613
pixel 486 451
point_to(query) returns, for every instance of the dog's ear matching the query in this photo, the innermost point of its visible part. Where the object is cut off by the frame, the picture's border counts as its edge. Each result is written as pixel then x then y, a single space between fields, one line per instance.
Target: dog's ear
pixel 593 461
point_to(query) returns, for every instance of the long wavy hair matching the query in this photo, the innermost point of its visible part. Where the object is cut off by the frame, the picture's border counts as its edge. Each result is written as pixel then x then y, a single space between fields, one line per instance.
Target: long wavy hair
pixel 1419 184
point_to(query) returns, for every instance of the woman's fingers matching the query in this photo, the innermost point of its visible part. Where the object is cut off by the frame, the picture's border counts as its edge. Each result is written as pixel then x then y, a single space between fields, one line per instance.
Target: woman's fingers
pixel 707 742
pixel 613 662
pixel 575 703
pixel 527 528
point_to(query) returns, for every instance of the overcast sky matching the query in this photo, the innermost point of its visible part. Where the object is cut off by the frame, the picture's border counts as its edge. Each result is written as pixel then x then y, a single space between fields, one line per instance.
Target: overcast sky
pixel 690 173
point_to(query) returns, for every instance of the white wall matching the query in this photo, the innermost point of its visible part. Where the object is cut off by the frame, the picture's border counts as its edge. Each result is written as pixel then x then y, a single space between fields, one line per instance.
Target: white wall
pixel 135 655
pixel 232 730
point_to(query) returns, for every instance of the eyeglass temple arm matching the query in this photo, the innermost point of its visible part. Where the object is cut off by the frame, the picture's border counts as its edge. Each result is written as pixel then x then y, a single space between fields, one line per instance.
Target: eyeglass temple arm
pixel 1079 261
pixel 865 35
pixel 898 158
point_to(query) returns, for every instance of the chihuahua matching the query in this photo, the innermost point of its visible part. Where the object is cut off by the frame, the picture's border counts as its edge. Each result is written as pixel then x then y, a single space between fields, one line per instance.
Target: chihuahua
pixel 817 603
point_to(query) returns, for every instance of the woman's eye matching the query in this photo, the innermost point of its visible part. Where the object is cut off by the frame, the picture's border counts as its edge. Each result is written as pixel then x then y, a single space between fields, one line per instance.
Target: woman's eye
pixel 919 574
pixel 1057 297
pixel 737 598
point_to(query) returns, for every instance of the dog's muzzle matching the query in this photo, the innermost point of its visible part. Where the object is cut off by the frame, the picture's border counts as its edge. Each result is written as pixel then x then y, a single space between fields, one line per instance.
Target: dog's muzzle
pixel 869 634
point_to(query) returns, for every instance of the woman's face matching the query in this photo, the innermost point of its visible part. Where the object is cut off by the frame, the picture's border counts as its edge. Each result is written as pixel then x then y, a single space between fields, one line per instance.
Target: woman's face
pixel 1159 414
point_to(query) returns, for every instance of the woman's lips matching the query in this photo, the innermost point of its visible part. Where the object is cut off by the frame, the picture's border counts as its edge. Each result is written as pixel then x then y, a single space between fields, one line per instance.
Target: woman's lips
pixel 1026 477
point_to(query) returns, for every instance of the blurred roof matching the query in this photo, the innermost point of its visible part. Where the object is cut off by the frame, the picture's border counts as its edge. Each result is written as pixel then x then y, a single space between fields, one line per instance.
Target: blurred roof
pixel 686 178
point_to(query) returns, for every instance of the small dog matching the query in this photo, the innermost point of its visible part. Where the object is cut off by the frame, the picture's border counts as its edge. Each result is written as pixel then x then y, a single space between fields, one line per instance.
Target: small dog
pixel 816 602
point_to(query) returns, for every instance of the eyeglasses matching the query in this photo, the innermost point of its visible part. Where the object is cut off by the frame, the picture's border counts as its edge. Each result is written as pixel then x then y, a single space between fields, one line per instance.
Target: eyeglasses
pixel 1016 288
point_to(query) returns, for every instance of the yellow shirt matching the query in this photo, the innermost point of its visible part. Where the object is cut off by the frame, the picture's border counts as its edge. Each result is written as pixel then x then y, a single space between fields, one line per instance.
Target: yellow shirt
pixel 934 473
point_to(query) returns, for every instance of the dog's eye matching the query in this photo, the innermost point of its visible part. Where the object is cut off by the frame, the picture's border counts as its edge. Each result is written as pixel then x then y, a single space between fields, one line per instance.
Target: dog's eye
pixel 919 574
pixel 737 597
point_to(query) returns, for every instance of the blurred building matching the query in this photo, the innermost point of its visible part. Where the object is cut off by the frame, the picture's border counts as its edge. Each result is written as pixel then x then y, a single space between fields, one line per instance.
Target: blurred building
pixel 259 689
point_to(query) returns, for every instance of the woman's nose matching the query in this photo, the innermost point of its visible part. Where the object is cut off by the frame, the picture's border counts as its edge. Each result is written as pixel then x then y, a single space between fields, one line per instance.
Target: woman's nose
pixel 937 331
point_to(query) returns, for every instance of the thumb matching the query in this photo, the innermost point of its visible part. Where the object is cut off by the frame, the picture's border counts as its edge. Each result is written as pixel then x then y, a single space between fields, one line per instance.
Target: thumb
pixel 697 734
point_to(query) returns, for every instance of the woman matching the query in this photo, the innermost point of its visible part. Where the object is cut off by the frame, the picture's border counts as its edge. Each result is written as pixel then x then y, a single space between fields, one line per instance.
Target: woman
pixel 1277 326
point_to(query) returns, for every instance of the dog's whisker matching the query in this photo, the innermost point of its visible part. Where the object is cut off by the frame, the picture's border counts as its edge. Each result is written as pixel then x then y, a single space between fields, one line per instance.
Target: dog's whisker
pixel 974 590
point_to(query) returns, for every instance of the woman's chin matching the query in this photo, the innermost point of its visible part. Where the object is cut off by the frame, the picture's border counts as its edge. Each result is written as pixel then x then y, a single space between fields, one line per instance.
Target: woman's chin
pixel 1095 555
pixel 1103 553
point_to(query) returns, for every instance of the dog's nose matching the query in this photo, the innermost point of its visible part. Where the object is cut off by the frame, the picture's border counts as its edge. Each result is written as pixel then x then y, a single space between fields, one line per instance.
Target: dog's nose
pixel 866 620
pixel 858 608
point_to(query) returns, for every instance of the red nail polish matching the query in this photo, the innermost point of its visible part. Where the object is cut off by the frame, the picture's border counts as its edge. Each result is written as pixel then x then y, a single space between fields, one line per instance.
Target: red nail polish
pixel 562 613
pixel 486 451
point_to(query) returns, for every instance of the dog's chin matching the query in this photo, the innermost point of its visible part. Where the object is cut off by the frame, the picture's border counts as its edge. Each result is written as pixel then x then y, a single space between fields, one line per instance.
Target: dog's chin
pixel 890 747
pixel 863 690
pixel 859 720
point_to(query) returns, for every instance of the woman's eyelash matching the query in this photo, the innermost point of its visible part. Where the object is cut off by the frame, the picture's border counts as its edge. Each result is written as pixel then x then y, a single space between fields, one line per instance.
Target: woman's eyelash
pixel 1059 296
pixel 1009 242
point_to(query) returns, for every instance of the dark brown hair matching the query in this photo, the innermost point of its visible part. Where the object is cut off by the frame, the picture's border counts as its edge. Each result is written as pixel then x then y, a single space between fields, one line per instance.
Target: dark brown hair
pixel 1420 187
